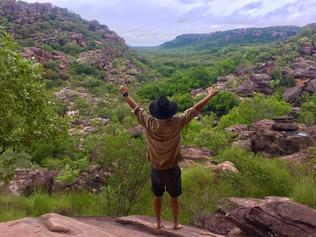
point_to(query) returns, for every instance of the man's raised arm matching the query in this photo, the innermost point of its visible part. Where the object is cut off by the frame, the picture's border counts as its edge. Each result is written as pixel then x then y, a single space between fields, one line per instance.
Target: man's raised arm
pixel 211 92
pixel 129 100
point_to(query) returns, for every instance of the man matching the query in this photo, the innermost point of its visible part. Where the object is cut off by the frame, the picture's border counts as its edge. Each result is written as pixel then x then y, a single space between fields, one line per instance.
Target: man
pixel 162 129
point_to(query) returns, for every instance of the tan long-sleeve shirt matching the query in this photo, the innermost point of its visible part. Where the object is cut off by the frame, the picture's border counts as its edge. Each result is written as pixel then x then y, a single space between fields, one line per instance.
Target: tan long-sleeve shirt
pixel 163 136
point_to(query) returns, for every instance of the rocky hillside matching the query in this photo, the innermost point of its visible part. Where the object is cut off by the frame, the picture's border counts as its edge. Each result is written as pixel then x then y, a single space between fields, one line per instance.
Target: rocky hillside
pixel 56 37
pixel 233 37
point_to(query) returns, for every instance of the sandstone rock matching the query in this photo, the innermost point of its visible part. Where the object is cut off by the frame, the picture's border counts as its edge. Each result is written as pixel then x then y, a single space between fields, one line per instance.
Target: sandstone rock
pixel 196 154
pixel 276 218
pixel 197 92
pixel 259 82
pixel 54 225
pixel 92 180
pixel 227 166
pixel 246 88
pixel 101 58
pixel 65 94
pixel 287 72
pixel 265 68
pixel 292 94
pixel 306 51
pixel 280 137
pixel 271 216
pixel 27 181
pixel 147 224
pixel 136 131
pixel 265 138
pixel 42 56
pixel 311 87
pixel 77 38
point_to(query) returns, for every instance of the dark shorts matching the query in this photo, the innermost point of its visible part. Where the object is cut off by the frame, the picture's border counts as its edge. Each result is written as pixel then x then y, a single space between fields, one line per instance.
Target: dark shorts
pixel 166 180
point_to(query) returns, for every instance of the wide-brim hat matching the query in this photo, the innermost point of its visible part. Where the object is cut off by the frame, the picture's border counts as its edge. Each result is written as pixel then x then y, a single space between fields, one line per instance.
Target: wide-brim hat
pixel 162 108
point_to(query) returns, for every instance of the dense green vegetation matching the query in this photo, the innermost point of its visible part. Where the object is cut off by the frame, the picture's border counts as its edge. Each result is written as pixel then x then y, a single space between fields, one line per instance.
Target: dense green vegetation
pixel 25 116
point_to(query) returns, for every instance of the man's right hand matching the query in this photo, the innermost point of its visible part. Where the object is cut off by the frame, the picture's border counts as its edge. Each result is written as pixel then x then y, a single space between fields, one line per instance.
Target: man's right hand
pixel 123 89
pixel 213 90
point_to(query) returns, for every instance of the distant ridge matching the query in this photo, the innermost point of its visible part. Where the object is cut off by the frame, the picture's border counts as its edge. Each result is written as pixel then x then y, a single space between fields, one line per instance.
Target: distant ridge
pixel 233 37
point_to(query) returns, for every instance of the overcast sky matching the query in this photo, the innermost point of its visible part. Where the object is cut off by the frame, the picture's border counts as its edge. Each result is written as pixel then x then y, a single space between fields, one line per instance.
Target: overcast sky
pixel 152 22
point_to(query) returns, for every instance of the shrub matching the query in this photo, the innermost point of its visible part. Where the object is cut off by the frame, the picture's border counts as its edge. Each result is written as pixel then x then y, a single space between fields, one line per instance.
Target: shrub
pixel 222 103
pixel 308 111
pixel 184 101
pixel 258 176
pixel 254 109
pixel 125 158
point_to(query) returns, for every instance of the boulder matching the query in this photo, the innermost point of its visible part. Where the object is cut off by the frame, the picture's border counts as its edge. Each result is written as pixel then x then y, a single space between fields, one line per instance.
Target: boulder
pixel 287 72
pixel 136 131
pixel 281 136
pixel 306 51
pixel 197 154
pixel 292 94
pixel 271 216
pixel 246 88
pixel 26 181
pixel 226 166
pixel 265 138
pixel 42 56
pixel 311 86
pixel 92 179
pixel 259 82
pixel 101 58
pixel 276 218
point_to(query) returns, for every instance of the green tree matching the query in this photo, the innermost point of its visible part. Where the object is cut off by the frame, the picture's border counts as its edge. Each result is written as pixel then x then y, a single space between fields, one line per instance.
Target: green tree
pixel 222 103
pixel 125 158
pixel 25 114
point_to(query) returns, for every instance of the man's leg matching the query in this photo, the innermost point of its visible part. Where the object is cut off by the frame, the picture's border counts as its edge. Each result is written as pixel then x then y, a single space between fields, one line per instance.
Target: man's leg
pixel 157 210
pixel 175 206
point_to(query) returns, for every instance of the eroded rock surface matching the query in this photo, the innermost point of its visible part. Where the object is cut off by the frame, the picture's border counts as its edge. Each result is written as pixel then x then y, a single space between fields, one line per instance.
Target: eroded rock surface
pixel 26 181
pixel 201 156
pixel 272 216
pixel 281 136
pixel 54 225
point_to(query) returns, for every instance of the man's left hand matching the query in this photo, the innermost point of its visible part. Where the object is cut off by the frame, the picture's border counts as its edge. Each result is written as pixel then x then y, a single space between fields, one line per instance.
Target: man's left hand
pixel 123 89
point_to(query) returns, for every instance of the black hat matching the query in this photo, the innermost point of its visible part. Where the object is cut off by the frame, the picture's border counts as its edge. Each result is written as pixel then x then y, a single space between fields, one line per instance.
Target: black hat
pixel 162 108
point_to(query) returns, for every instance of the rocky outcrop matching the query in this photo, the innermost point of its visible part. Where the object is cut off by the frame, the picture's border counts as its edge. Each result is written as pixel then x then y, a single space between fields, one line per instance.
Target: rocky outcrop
pixel 101 58
pixel 27 181
pixel 136 131
pixel 200 156
pixel 43 15
pixel 54 225
pixel 42 56
pixel 281 136
pixel 272 216
pixel 256 83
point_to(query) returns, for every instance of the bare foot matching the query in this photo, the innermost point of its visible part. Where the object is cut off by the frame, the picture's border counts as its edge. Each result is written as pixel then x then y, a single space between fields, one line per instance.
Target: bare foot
pixel 177 226
pixel 158 226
